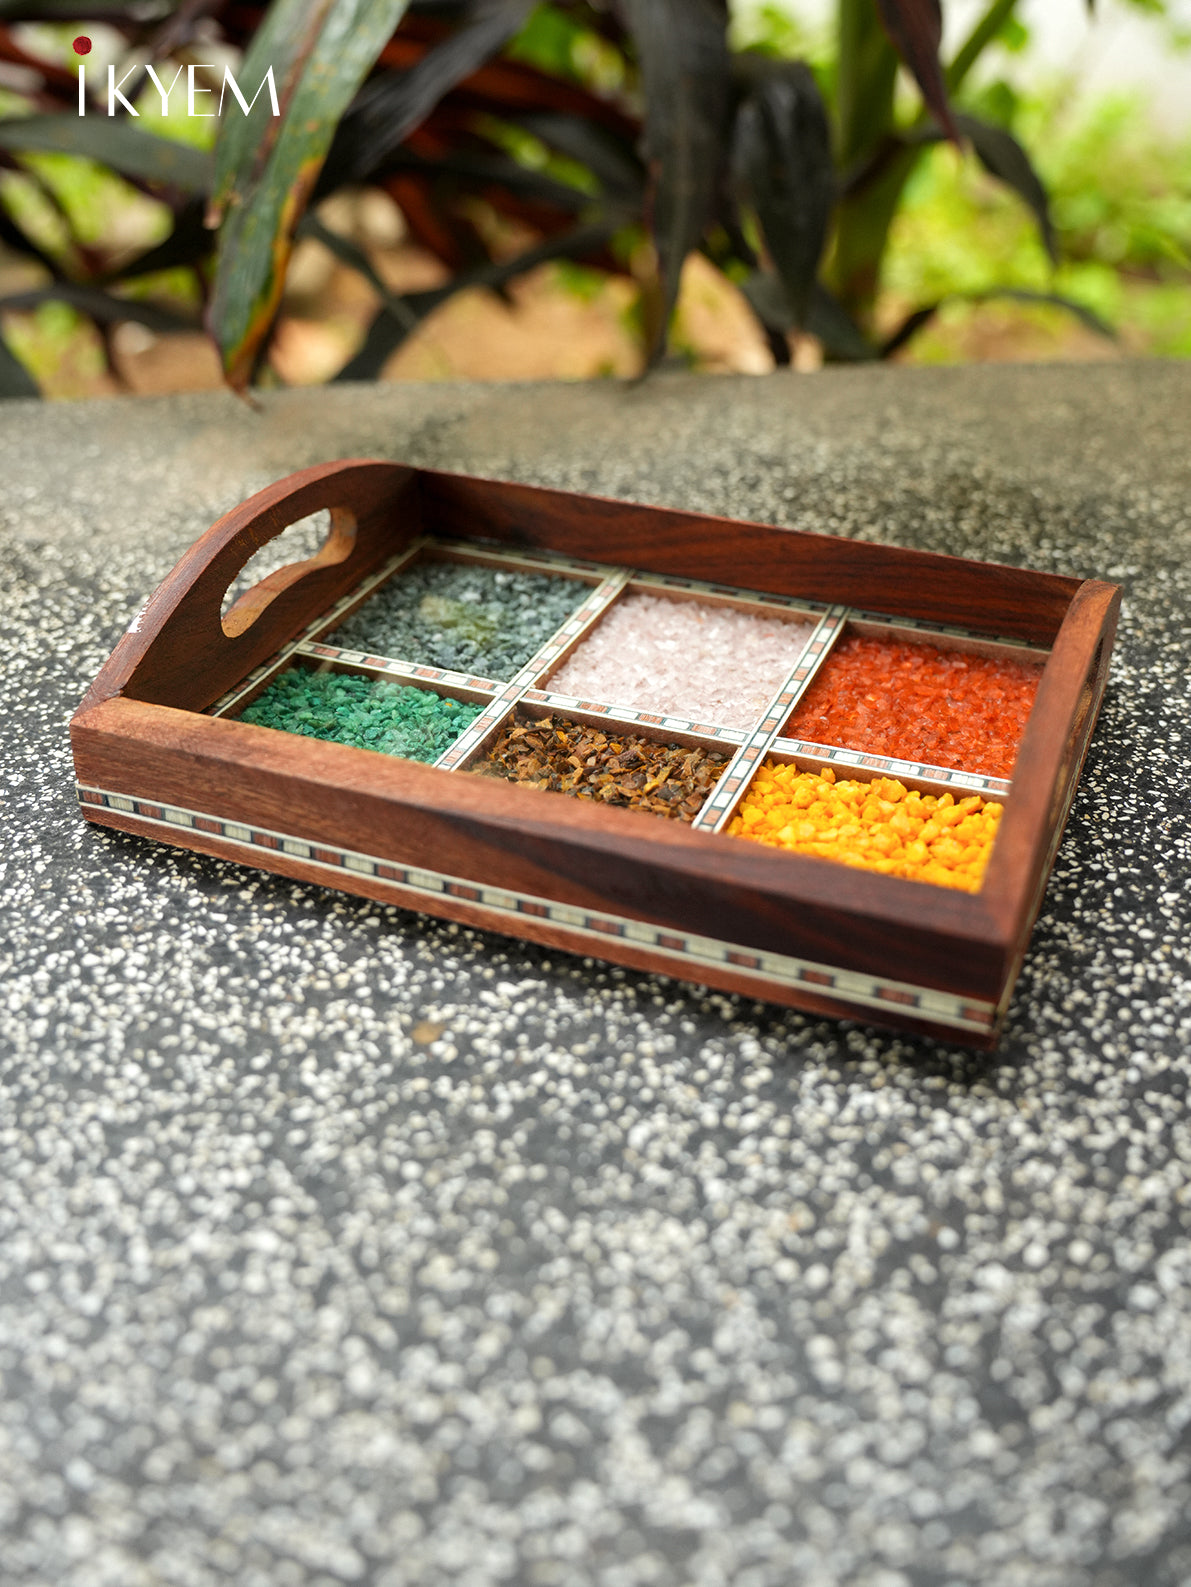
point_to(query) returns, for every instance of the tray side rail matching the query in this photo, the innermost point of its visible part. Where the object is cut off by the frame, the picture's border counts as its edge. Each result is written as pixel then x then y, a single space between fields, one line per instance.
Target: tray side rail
pixel 1014 603
pixel 496 834
pixel 1051 756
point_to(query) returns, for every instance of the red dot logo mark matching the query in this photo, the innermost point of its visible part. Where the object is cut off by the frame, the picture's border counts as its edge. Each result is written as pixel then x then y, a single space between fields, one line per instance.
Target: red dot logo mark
pixel 82 45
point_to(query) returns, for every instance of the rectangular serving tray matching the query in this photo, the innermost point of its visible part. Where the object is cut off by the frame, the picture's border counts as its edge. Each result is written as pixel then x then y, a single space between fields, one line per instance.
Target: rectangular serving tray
pixel 157 751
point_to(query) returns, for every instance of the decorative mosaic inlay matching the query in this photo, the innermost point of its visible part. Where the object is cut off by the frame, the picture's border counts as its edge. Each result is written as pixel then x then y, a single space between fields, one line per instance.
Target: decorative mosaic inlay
pixel 729 736
pixel 419 888
pixel 529 560
pixel 922 625
pixel 412 672
pixel 787 603
pixel 887 766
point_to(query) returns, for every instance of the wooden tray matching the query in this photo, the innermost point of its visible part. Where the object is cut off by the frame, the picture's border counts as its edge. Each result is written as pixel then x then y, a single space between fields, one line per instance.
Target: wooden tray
pixel 157 752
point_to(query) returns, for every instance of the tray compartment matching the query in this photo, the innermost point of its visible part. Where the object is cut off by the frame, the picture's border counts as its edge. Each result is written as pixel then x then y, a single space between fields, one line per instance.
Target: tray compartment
pixel 463 612
pixel 917 831
pixel 684 656
pixel 948 703
pixel 340 705
pixel 632 770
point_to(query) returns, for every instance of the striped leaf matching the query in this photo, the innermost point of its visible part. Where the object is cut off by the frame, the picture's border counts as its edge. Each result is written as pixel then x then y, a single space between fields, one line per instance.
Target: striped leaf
pixel 266 167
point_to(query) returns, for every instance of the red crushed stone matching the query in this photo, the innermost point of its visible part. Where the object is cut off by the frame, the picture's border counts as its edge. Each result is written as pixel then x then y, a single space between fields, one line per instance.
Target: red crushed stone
pixel 918 702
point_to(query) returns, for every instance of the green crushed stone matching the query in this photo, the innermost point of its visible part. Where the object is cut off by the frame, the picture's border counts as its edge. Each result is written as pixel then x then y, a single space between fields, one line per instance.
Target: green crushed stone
pixel 371 714
pixel 461 617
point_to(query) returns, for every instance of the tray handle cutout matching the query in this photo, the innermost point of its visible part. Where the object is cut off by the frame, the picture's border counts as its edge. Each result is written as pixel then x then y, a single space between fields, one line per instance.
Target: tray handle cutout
pixel 326 536
pixel 191 642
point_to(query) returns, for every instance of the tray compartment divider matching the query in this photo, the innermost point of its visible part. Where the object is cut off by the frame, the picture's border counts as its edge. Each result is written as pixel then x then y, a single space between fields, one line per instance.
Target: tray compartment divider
pixel 724 797
pixel 413 673
pixel 581 619
pixel 867 764
pixel 726 738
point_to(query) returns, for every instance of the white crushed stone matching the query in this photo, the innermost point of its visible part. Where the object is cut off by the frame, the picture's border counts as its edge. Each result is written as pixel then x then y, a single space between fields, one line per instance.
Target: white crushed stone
pixel 685 658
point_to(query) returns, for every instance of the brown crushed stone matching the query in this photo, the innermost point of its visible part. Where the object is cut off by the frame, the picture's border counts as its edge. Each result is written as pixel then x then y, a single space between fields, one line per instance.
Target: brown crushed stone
pixel 620 769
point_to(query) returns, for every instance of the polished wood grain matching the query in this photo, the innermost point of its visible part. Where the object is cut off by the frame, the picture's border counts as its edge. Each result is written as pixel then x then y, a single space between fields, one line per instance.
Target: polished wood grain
pixel 548 934
pixel 1050 759
pixel 574 851
pixel 140 732
pixel 1010 602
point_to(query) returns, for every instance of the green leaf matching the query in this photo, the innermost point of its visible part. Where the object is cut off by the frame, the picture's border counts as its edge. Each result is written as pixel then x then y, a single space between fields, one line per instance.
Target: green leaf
pixel 1003 157
pixel 114 142
pixel 997 18
pixel 683 49
pixel 15 379
pixel 782 161
pixel 283 43
pixel 263 184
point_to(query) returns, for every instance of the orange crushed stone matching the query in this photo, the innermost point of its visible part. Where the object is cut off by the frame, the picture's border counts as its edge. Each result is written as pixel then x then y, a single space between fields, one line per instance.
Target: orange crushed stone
pixel 876 826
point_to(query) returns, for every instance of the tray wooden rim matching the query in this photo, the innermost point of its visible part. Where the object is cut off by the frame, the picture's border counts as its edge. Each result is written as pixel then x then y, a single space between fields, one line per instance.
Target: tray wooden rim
pixel 129 739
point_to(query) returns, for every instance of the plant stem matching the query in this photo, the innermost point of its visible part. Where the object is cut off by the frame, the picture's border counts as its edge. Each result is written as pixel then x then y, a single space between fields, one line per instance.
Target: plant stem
pixel 866 81
pixel 862 235
pixel 867 77
pixel 977 41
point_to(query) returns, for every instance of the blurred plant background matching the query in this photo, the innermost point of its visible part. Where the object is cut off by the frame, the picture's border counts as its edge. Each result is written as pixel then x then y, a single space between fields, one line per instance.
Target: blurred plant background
pixel 573 189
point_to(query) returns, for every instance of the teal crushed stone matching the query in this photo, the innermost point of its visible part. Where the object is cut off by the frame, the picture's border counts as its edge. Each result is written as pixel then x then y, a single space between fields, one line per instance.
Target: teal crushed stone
pixel 347 709
pixel 484 621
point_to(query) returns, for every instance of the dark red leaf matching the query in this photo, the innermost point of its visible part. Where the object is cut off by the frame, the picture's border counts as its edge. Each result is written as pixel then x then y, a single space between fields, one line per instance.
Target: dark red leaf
pixel 826 319
pixel 909 327
pixel 58 76
pixel 389 329
pixel 611 160
pixel 683 49
pixel 391 105
pixel 782 162
pixel 1003 157
pixel 916 30
pixel 502 87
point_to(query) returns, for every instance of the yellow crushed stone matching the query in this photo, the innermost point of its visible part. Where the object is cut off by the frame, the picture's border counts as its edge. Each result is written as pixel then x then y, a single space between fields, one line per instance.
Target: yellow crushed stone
pixel 878 825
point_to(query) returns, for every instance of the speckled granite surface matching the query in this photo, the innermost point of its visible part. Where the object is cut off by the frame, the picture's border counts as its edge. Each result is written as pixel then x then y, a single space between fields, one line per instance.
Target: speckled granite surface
pixel 337 1245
